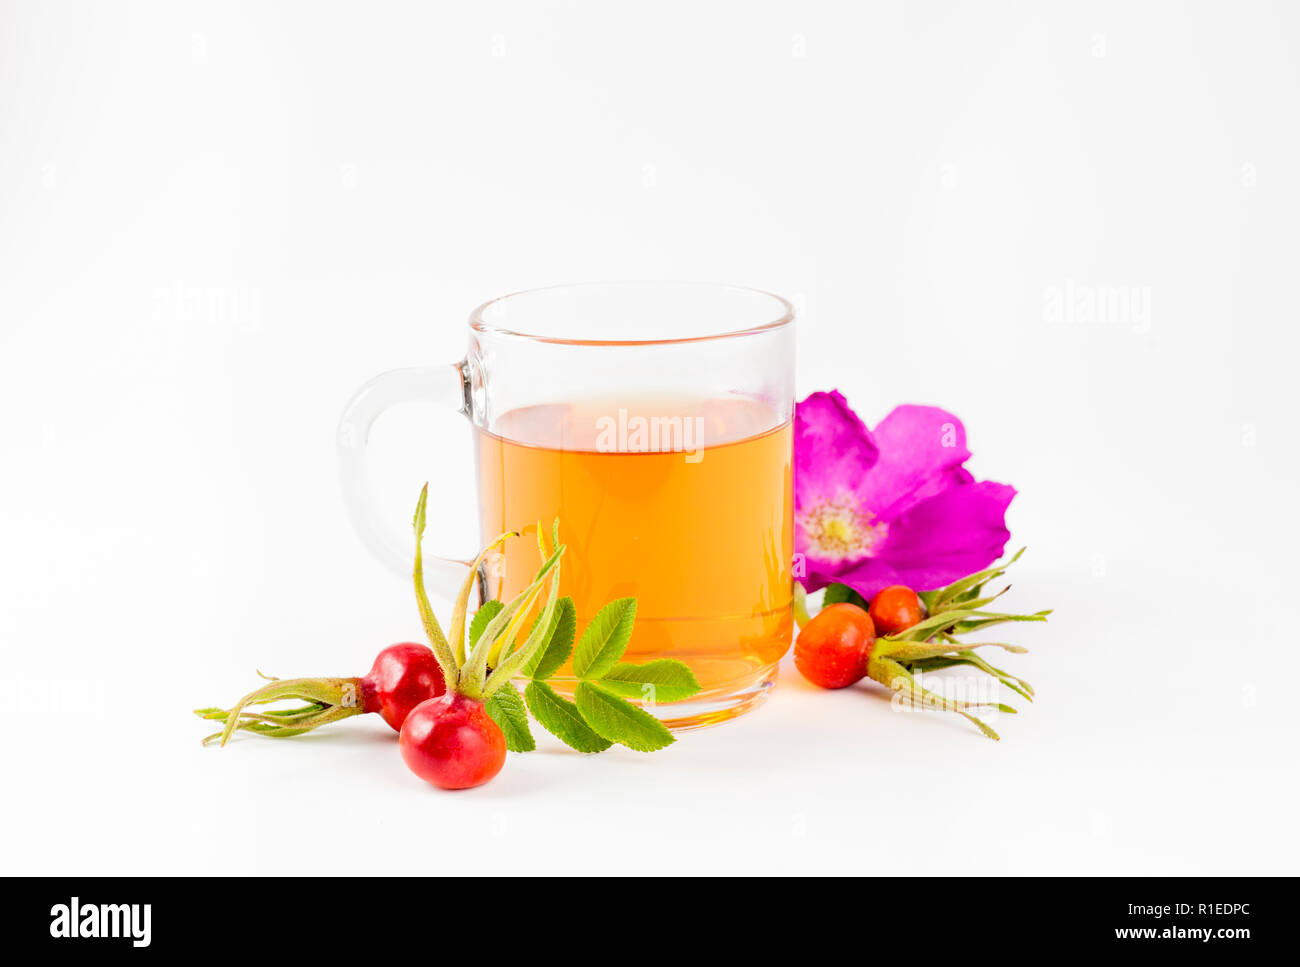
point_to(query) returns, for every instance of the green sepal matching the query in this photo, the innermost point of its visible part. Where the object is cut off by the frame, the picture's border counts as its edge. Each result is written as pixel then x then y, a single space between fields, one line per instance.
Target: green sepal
pixel 442 647
pixel 970 584
pixel 328 700
pixel 482 617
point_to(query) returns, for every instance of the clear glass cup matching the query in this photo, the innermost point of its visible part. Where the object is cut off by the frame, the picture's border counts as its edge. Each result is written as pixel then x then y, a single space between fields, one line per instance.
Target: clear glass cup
pixel 654 419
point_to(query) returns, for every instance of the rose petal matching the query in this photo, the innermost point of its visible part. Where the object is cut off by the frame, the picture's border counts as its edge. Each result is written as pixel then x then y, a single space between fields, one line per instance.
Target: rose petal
pixel 937 541
pixel 833 449
pixel 867 577
pixel 921 451
pixel 819 574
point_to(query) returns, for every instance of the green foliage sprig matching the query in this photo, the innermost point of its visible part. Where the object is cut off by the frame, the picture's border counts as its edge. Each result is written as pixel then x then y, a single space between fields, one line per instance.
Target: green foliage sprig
pixel 600 714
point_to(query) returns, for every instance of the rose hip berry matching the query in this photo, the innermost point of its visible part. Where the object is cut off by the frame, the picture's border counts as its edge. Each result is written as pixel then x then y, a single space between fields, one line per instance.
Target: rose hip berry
pixel 435 696
pixel 895 609
pixel 834 647
pixel 452 742
pixel 402 676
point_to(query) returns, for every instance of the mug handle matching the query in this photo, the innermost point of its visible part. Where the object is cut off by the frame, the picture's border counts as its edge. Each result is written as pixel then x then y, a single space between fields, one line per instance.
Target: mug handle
pixel 449 387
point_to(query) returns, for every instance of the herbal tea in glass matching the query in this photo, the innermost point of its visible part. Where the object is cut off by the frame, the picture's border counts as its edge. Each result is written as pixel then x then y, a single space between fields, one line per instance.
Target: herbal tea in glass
pixel 684 505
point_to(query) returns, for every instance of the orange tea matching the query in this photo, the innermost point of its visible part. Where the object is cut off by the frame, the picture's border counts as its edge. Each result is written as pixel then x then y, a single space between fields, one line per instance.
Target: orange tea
pixel 684 504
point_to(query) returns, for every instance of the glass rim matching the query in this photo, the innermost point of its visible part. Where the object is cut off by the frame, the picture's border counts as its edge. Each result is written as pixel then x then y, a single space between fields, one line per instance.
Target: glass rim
pixel 784 317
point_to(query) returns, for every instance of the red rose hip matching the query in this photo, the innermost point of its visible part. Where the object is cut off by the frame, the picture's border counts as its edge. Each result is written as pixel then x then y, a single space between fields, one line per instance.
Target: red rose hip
pixel 402 677
pixel 452 742
pixel 834 647
pixel 895 609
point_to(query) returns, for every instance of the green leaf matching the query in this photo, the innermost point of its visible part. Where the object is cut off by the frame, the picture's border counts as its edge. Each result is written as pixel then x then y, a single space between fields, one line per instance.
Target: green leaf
pixel 506 706
pixel 605 639
pixel 619 721
pixel 661 680
pixel 482 616
pixel 561 718
pixel 840 594
pixel 564 627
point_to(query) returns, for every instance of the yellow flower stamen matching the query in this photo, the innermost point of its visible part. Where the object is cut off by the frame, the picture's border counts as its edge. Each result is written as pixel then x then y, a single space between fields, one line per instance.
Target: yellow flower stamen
pixel 840 529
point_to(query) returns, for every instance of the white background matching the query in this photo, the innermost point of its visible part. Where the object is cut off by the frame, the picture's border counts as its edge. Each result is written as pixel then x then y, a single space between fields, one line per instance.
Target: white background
pixel 217 219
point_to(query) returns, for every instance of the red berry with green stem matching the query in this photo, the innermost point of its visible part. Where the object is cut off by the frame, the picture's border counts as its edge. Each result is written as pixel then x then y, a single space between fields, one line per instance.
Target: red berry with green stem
pixel 829 650
pixel 451 741
pixel 435 696
pixel 402 676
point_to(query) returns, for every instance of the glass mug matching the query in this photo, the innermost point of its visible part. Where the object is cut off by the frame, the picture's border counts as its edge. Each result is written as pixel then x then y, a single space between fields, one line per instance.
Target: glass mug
pixel 652 418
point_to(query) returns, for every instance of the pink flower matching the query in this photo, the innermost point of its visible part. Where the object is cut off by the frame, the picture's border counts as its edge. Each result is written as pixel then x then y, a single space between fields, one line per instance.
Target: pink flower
pixel 891 507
